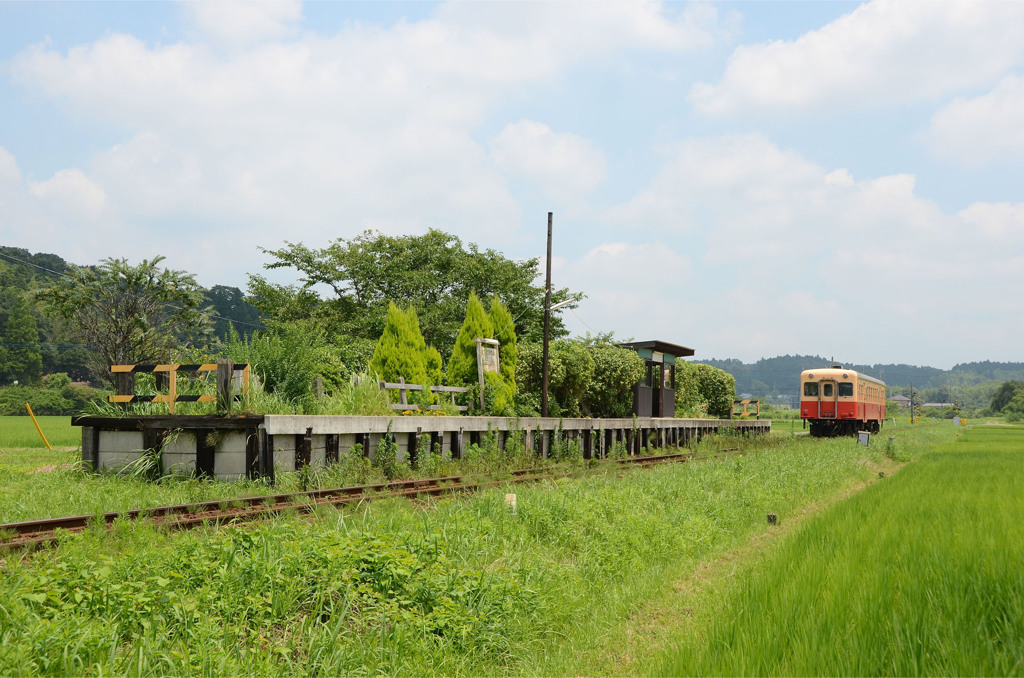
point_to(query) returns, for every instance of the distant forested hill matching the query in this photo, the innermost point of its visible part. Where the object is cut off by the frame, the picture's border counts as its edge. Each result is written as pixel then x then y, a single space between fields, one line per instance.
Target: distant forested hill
pixel 33 343
pixel 970 383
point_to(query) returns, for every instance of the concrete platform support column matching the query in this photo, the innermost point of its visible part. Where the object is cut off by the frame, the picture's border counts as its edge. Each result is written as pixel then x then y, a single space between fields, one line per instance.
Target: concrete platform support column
pixel 230 456
pixel 179 453
pixel 117 448
pixel 284 454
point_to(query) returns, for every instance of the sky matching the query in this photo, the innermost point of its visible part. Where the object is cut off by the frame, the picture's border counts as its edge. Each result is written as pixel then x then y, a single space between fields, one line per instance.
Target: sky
pixel 748 179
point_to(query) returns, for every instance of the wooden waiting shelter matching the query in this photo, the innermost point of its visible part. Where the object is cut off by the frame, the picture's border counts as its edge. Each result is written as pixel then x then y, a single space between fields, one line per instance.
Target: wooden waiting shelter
pixel 654 395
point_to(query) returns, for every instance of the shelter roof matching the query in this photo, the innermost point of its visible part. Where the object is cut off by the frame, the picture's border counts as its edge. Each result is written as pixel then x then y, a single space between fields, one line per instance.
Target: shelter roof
pixel 660 346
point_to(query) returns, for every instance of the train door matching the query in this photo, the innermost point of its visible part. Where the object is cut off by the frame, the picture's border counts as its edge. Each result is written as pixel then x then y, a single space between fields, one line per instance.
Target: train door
pixel 828 397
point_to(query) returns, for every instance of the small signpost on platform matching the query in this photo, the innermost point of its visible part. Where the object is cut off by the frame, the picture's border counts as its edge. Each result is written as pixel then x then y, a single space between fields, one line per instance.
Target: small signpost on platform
pixel 486 361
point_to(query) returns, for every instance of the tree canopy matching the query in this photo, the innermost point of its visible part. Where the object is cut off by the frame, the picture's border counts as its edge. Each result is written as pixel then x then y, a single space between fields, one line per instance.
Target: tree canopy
pixel 434 273
pixel 132 313
pixel 20 359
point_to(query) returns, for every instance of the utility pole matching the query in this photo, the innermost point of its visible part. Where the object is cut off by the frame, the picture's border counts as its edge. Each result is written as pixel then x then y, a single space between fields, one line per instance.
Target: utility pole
pixel 547 324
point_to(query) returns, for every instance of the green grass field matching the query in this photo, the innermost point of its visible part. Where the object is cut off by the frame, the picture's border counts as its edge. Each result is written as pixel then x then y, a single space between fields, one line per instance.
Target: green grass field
pixel 464 587
pixel 918 575
pixel 20 433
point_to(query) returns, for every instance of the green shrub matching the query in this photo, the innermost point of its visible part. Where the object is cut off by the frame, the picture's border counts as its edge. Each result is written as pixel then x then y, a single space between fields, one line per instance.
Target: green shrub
pixel 63 399
pixel 702 389
pixel 717 388
pixel 570 371
pixel 610 388
pixel 499 397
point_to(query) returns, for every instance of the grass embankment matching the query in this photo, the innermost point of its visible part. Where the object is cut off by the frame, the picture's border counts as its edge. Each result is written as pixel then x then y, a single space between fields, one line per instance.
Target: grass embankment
pixel 918 575
pixel 468 587
pixel 40 483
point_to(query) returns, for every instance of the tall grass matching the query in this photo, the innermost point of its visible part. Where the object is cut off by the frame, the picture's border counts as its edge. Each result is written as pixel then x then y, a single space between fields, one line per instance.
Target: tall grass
pixel 360 395
pixel 471 587
pixel 919 575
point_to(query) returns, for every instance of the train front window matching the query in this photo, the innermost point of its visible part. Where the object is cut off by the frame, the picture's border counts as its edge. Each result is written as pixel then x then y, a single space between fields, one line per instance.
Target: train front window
pixel 846 389
pixel 810 389
pixel 826 390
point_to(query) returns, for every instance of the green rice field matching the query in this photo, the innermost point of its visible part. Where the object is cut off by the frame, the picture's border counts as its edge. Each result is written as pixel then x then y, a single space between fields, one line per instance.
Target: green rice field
pixel 920 574
pixel 20 433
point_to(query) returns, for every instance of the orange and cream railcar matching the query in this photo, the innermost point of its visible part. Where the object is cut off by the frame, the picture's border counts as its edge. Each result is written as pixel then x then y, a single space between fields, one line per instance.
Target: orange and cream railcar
pixel 841 402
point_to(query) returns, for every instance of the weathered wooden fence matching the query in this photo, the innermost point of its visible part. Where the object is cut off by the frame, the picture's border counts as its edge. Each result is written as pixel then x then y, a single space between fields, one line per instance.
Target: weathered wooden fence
pixel 403 388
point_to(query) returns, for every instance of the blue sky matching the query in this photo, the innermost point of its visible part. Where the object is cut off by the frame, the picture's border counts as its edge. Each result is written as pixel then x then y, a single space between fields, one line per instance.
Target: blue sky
pixel 749 179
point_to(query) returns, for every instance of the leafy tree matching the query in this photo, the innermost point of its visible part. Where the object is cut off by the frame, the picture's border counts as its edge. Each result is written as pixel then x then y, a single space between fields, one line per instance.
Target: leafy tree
pixel 22 361
pixel 64 350
pixel 1004 394
pixel 434 365
pixel 1014 410
pixel 132 314
pixel 433 272
pixel 231 308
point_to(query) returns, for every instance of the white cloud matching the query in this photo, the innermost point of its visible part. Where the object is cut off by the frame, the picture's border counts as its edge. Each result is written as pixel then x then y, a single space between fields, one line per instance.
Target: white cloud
pixel 976 130
pixel 316 137
pixel 734 173
pixel 792 257
pixel 243 22
pixel 596 27
pixel 884 52
pixel 563 165
pixel 9 171
pixel 56 215
pixel 632 287
pixel 74 191
pixel 997 222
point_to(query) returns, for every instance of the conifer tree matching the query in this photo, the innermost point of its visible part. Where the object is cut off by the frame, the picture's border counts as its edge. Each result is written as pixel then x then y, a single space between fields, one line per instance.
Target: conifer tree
pixel 505 333
pixel 462 370
pixel 401 352
pixel 435 369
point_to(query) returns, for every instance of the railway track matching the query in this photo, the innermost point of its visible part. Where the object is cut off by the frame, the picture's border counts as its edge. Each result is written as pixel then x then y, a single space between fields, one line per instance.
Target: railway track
pixel 38 533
